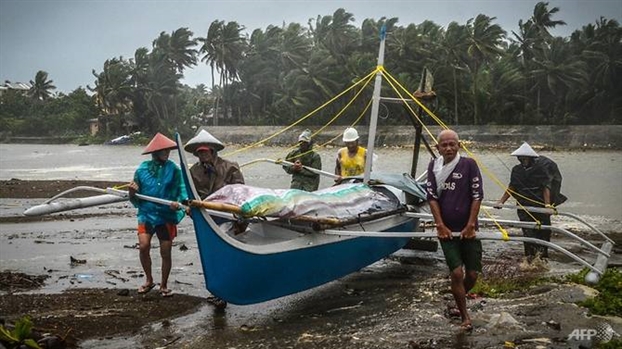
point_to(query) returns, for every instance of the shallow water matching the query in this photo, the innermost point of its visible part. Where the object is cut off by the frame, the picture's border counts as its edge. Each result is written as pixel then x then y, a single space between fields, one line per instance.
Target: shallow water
pixel 592 179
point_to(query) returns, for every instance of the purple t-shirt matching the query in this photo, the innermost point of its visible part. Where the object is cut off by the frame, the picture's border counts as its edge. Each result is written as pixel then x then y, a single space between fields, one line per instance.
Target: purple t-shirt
pixel 463 186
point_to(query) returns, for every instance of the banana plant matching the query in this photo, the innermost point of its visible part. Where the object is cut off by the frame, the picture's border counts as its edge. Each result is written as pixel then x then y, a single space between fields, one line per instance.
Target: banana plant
pixel 20 335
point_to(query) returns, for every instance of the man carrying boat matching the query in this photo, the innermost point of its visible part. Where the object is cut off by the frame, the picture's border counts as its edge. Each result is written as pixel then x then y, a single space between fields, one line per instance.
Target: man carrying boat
pixel 536 181
pixel 351 158
pixel 159 178
pixel 211 172
pixel 455 193
pixel 303 178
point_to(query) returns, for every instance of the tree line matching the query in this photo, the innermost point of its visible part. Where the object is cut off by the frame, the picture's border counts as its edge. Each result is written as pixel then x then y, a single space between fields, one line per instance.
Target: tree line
pixel 482 75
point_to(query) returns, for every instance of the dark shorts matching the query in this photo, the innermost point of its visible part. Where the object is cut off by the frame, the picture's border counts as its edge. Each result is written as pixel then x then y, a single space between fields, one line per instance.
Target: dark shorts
pixel 164 232
pixel 463 252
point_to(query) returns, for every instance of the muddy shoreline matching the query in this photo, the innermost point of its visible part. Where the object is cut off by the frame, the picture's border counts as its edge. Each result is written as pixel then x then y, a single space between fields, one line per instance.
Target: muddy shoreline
pixel 79 313
pixel 27 189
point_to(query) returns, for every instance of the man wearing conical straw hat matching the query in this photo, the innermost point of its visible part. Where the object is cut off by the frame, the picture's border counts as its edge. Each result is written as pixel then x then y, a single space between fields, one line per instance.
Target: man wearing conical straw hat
pixel 536 181
pixel 161 178
pixel 211 172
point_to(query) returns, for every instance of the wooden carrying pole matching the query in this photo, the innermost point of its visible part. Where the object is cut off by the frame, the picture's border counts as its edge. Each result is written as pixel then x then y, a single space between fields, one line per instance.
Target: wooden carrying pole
pixel 217 206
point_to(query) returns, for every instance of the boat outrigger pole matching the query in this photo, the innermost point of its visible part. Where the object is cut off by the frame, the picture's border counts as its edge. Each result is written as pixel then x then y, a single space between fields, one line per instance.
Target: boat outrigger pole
pixel 374 107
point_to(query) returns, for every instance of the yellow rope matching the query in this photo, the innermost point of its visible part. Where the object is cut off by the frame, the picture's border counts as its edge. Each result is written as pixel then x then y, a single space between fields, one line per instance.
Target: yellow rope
pixel 369 79
pixel 396 86
pixel 261 142
pixel 393 82
pixel 366 81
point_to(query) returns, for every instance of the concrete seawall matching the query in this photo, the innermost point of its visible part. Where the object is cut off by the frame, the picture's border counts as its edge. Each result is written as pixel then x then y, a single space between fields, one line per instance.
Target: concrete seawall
pixel 558 137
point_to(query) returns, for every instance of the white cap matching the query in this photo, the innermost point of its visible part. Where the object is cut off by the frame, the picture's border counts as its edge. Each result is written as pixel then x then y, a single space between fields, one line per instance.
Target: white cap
pixel 350 135
pixel 305 136
pixel 203 138
pixel 525 150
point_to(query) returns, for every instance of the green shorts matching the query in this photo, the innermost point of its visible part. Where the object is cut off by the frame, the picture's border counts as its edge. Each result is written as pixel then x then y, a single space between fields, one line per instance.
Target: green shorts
pixel 466 252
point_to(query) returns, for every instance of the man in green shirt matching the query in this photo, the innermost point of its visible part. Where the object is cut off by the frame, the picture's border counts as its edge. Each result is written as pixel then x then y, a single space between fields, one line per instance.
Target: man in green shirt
pixel 303 178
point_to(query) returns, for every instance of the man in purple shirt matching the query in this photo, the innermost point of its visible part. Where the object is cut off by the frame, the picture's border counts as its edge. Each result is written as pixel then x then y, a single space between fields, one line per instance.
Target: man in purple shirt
pixel 455 193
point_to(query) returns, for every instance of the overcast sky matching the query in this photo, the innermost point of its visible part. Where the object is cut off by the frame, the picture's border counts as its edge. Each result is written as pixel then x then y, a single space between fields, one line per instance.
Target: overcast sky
pixel 70 38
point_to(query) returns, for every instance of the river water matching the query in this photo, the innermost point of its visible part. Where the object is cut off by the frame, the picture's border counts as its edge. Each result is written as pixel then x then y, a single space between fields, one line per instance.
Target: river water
pixel 592 180
pixel 335 315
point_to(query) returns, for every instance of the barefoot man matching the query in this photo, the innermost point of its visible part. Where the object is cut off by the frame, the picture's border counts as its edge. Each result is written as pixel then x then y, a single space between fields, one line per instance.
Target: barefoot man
pixel 455 193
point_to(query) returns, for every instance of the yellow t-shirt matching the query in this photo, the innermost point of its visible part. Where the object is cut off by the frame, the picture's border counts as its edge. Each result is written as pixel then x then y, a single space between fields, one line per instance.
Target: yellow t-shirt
pixel 352 166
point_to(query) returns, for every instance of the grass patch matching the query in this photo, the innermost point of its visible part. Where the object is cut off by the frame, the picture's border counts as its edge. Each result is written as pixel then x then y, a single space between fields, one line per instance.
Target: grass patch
pixel 613 344
pixel 498 287
pixel 506 276
pixel 609 299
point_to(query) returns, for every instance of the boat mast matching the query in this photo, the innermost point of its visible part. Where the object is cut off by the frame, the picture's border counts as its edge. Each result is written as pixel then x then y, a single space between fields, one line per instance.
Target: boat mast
pixel 374 107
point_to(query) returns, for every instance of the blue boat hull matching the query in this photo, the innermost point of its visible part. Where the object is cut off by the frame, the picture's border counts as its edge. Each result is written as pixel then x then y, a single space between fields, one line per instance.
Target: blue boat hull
pixel 247 274
pixel 243 277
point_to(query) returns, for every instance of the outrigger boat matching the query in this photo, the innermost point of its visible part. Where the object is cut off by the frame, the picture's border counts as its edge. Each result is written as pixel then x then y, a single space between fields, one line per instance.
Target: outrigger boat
pixel 278 256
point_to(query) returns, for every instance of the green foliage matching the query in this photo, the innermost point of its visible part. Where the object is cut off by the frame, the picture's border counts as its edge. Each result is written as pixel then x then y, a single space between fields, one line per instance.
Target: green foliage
pixel 21 334
pixel 612 344
pixel 61 116
pixel 609 299
pixel 495 287
pixel 482 75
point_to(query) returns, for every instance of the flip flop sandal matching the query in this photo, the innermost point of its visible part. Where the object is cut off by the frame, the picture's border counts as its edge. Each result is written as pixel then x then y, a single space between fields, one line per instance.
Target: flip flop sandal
pixel 219 303
pixel 146 288
pixel 452 312
pixel 466 328
pixel 166 293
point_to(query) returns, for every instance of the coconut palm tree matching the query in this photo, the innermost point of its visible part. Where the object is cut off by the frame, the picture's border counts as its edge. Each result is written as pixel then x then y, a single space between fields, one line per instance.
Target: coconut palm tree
pixel 542 19
pixel 41 88
pixel 113 92
pixel 223 50
pixel 181 52
pixel 557 74
pixel 453 47
pixel 484 42
pixel 335 34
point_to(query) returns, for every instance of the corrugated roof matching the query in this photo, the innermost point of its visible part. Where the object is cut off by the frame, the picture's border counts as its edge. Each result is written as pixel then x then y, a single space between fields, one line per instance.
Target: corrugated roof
pixel 17 86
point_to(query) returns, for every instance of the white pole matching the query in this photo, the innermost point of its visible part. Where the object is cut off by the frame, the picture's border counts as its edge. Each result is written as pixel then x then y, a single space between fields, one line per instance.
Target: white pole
pixel 374 108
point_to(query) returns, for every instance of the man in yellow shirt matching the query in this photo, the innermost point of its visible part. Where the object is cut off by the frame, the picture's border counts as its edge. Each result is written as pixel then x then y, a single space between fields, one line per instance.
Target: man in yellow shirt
pixel 351 158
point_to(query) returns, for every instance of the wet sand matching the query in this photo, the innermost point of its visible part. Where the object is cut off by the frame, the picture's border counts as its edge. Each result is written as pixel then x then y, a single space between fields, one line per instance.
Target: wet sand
pixel 396 303
pixel 26 189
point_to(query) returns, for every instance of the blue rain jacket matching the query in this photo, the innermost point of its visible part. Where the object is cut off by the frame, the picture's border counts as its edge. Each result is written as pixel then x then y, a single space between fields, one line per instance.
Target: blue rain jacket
pixel 160 180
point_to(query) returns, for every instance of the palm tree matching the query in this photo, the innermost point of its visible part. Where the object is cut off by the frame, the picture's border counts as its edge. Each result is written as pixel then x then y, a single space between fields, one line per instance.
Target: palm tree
pixel 41 87
pixel 600 45
pixel 454 48
pixel 181 49
pixel 542 19
pixel 113 92
pixel 557 72
pixel 223 50
pixel 484 45
pixel 336 34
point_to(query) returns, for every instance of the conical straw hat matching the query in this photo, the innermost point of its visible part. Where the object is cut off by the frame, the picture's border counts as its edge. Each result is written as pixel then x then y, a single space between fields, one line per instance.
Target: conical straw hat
pixel 159 142
pixel 525 150
pixel 203 138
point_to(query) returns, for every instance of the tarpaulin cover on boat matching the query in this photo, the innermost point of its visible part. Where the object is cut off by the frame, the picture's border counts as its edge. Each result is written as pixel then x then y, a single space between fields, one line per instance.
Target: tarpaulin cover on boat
pixel 339 201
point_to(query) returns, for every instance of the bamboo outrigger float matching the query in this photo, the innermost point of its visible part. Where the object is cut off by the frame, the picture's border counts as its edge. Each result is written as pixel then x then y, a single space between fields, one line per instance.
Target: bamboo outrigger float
pixel 275 256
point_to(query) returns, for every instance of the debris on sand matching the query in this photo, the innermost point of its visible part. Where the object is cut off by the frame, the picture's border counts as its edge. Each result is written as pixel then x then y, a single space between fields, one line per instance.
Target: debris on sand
pixel 14 282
